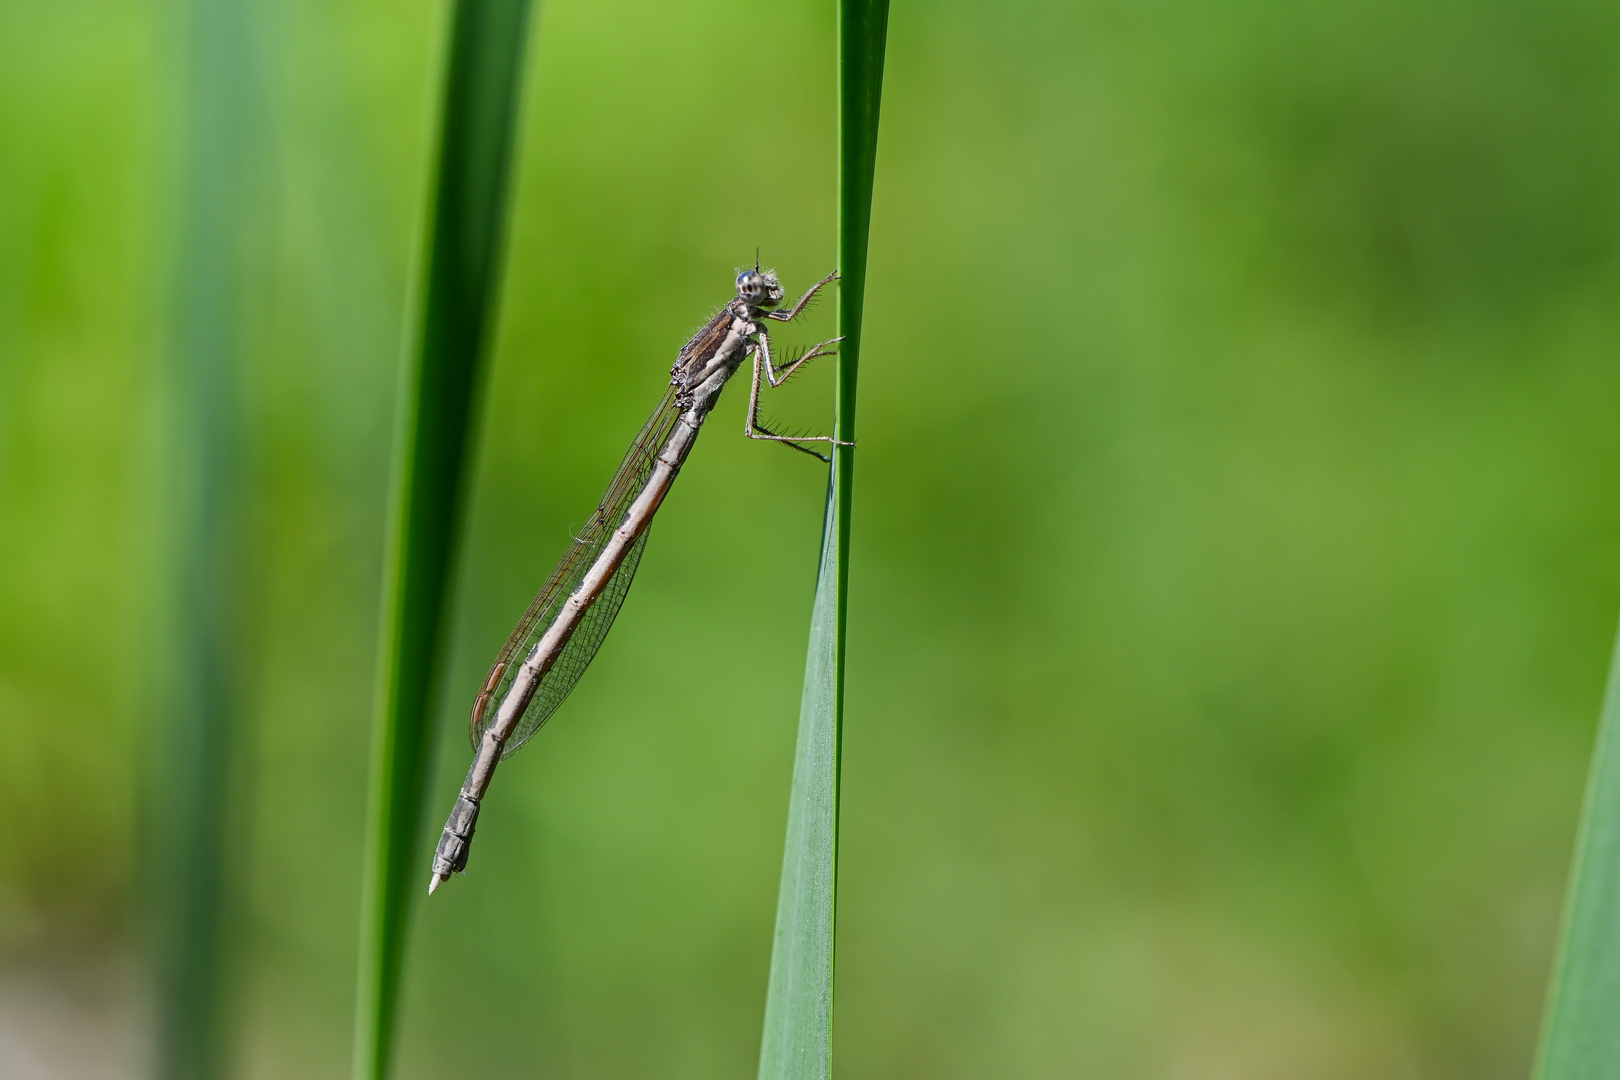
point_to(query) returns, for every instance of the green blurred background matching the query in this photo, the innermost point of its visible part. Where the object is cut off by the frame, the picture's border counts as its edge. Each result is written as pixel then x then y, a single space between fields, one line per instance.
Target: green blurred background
pixel 1236 545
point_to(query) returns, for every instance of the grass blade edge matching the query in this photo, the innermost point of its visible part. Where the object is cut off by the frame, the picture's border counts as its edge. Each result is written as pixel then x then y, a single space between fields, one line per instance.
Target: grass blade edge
pixel 797 1041
pixel 1579 1038
pixel 437 404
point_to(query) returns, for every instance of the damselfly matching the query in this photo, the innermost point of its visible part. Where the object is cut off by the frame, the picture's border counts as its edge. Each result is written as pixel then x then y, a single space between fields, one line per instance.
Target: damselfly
pixel 558 636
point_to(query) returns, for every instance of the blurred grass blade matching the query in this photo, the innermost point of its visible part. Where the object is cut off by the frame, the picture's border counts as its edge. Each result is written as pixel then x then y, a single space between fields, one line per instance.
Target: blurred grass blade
pixel 1580 1037
pixel 461 253
pixel 190 809
pixel 797 1043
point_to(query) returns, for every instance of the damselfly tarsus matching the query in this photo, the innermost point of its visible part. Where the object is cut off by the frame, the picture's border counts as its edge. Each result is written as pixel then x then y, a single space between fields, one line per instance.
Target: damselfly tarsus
pixel 558 636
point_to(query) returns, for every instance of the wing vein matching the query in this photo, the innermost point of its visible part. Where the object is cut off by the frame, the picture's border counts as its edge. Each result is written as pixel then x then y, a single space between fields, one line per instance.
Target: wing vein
pixel 594 625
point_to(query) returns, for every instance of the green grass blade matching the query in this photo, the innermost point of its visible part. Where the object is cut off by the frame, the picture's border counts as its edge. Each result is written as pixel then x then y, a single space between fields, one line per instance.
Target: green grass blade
pixel 196 733
pixel 797 1043
pixel 1580 1039
pixel 437 397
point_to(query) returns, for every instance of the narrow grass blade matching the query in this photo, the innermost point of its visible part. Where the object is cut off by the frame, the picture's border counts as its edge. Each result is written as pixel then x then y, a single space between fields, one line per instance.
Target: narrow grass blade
pixel 1580 1036
pixel 461 257
pixel 189 812
pixel 797 1043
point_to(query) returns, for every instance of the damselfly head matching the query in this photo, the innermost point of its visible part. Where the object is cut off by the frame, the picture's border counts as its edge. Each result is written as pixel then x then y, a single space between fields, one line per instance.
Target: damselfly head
pixel 759 288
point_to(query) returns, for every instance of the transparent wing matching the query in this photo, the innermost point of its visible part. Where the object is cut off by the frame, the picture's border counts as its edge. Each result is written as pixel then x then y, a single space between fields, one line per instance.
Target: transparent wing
pixel 594 625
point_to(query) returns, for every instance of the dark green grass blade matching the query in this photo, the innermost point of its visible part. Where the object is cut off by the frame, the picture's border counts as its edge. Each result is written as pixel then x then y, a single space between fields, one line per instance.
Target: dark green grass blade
pixel 190 812
pixel 437 396
pixel 1580 1038
pixel 797 1044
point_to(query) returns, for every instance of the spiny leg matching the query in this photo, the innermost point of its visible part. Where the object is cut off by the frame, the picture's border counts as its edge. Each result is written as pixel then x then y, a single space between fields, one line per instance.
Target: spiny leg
pixel 780 375
pixel 791 313
pixel 754 429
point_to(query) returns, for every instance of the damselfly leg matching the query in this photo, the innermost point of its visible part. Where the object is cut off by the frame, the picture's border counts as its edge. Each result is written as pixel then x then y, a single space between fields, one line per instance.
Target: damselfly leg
pixel 776 376
pixel 809 294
